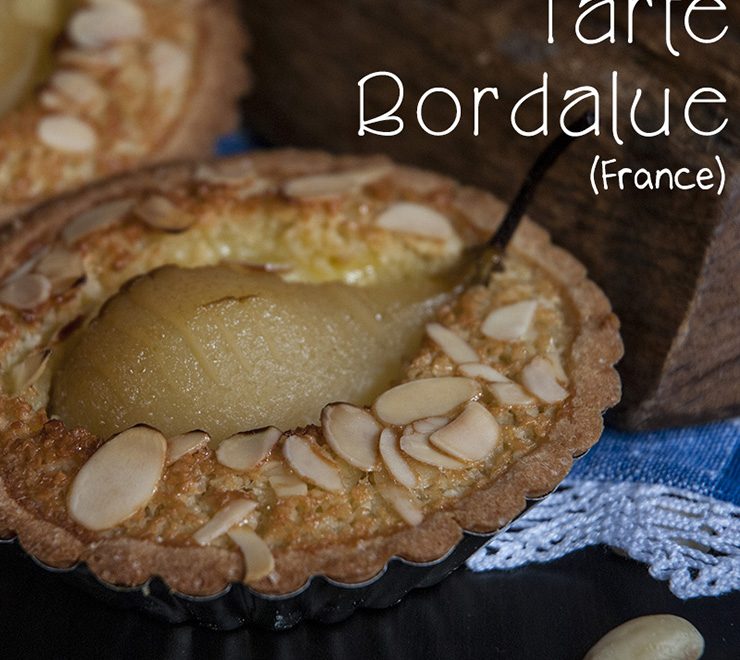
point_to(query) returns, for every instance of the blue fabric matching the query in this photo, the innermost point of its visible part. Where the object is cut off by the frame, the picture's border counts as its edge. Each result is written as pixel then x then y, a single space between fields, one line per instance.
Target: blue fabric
pixel 236 143
pixel 702 459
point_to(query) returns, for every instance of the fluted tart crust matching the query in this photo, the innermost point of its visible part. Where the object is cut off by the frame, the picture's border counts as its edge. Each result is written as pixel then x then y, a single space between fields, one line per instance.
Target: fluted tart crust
pixel 508 384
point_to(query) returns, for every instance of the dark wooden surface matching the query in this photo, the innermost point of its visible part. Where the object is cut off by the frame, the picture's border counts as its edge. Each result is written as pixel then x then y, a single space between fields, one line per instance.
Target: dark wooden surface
pixel 668 260
pixel 554 611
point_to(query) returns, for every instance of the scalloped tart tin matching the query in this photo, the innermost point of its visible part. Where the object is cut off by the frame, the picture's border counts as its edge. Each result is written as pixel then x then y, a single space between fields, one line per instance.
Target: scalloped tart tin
pixel 151 298
pixel 320 599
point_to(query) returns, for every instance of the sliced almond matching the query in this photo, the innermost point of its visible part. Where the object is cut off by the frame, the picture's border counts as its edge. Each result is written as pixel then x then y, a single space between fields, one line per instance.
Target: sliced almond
pixel 170 64
pixel 62 268
pixel 510 394
pixel 334 184
pixel 305 457
pixel 258 559
pixel 430 424
pixel 417 446
pixel 405 504
pixel 427 397
pixel 226 172
pixel 27 266
pixel 184 444
pixel 26 373
pixel 253 187
pixel 352 433
pixel 78 87
pixel 26 292
pixel 118 480
pixel 411 218
pixel 106 59
pixel 95 219
pixel 160 213
pixel 394 460
pixel 274 467
pixel 473 436
pixel 483 371
pixel 553 356
pixel 511 322
pixel 106 23
pixel 286 485
pixel 51 100
pixel 67 133
pixel 539 378
pixel 245 451
pixel 454 346
pixel 231 515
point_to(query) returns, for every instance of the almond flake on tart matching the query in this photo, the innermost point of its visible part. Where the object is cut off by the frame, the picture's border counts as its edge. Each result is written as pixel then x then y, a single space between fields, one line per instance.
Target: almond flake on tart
pixel 90 88
pixel 294 380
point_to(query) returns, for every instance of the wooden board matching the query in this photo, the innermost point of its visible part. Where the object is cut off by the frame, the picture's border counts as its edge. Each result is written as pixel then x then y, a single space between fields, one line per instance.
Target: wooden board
pixel 668 260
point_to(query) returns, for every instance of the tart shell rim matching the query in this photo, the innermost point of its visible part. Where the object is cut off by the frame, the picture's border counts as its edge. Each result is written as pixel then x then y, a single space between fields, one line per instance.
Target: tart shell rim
pixel 208 571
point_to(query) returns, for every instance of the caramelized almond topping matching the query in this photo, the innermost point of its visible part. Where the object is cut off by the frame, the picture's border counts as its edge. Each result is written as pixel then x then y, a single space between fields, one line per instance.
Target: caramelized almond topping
pixel 98 217
pixel 286 485
pixel 160 213
pixel 510 394
pixel 231 515
pixel 258 559
pixel 67 133
pixel 245 451
pixel 26 373
pixel 105 23
pixel 540 379
pixel 511 322
pixel 405 504
pixel 306 458
pixel 471 437
pixel 483 371
pixel 170 64
pixel 78 88
pixel 427 397
pixel 352 433
pixel 334 184
pixel 62 268
pixel 226 172
pixel 26 292
pixel 394 461
pixel 187 443
pixel 454 346
pixel 27 266
pixel 554 357
pixel 430 424
pixel 417 446
pixel 411 218
pixel 118 480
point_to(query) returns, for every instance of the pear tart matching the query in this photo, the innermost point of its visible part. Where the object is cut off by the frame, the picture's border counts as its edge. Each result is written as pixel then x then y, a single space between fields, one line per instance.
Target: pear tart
pixel 89 88
pixel 265 368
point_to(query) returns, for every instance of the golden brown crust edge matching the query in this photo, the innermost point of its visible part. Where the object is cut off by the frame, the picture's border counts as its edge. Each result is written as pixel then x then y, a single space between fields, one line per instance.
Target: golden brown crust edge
pixel 204 571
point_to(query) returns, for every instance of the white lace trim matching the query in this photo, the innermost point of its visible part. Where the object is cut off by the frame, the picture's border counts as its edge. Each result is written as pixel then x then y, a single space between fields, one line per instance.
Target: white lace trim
pixel 691 540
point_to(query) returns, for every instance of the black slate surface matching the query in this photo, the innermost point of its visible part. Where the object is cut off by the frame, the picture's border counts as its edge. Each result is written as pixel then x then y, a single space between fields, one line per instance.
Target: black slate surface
pixel 554 611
